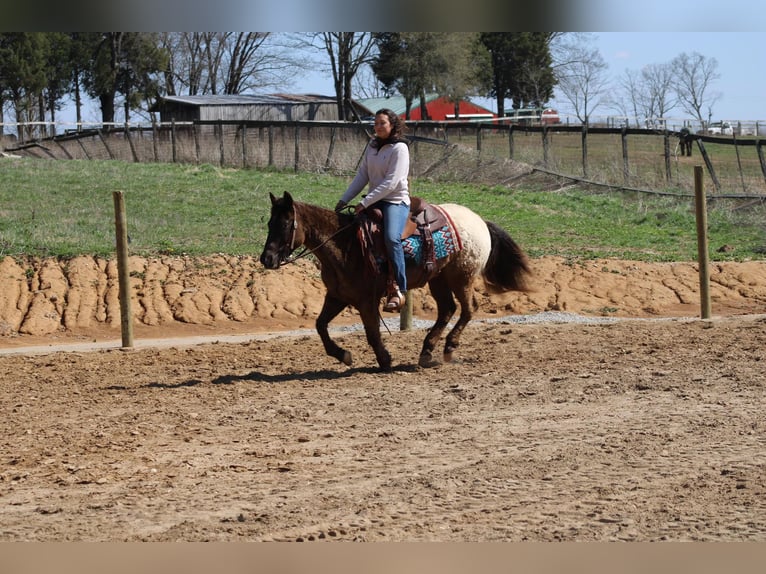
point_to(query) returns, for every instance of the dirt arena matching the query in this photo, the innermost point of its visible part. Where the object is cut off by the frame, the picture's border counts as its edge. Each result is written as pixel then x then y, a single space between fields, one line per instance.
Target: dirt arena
pixel 650 426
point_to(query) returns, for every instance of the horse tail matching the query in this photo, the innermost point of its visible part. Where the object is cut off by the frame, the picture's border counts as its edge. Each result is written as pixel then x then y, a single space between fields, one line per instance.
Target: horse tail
pixel 507 267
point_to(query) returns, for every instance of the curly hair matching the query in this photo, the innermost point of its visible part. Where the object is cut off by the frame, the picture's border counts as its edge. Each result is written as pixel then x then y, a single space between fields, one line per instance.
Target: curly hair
pixel 398 128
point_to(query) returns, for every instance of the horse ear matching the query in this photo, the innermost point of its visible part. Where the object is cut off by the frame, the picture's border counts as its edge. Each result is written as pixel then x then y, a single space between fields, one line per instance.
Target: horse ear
pixel 273 198
pixel 288 198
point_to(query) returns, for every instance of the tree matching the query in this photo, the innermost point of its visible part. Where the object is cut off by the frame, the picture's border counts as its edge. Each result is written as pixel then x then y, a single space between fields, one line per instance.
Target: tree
pixel 521 65
pixel 125 63
pixel 452 64
pixel 347 52
pixel 23 66
pixel 82 46
pixel 649 93
pixel 693 75
pixel 582 78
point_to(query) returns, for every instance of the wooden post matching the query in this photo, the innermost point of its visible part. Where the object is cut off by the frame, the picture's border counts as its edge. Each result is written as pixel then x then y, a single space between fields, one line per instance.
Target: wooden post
pixel 702 243
pixel 545 146
pixel 244 145
pixel 666 145
pixel 709 165
pixel 173 139
pixel 123 272
pixel 328 161
pixel 130 143
pixel 405 315
pixel 155 135
pixel 195 133
pixel 510 141
pixel 759 150
pixel 584 150
pixel 221 148
pixel 297 154
pixel 625 165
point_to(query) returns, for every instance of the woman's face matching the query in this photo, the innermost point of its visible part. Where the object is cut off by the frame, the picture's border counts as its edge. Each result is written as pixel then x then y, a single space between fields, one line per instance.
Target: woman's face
pixel 382 126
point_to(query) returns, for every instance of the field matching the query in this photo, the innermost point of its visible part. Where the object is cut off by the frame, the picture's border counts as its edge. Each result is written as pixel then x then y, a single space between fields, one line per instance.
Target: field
pixel 634 421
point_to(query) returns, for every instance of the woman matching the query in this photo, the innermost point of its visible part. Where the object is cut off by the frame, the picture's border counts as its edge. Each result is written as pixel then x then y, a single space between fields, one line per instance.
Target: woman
pixel 385 167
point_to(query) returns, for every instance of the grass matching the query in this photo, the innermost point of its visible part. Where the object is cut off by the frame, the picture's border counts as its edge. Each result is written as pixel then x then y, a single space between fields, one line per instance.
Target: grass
pixel 65 208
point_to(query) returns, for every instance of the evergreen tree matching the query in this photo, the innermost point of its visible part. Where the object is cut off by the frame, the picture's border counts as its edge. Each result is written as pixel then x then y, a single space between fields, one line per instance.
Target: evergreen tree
pixel 521 66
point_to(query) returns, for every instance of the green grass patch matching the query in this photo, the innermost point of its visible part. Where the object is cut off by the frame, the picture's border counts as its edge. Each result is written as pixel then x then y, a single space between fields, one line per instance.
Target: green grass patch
pixel 65 208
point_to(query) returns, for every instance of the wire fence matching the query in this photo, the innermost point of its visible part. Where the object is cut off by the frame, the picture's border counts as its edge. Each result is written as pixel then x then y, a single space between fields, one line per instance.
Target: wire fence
pixel 493 153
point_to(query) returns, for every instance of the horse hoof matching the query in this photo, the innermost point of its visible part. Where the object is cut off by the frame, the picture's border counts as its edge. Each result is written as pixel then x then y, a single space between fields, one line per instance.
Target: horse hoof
pixel 346 360
pixel 448 357
pixel 427 362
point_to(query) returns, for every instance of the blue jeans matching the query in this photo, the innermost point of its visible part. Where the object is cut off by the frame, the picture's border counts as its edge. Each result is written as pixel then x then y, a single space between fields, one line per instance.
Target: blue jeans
pixel 394 218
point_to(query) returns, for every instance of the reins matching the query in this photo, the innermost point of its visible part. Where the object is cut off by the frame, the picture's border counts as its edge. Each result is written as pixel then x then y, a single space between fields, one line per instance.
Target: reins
pixel 306 251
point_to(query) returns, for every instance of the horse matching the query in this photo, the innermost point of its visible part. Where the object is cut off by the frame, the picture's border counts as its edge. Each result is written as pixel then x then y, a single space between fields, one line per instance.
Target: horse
pixel 332 238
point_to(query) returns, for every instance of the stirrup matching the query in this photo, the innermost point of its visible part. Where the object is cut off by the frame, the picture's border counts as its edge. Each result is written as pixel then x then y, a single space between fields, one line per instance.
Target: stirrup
pixel 394 302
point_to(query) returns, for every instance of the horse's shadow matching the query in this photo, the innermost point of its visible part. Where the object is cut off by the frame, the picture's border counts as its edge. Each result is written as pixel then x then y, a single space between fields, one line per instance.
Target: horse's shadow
pixel 321 375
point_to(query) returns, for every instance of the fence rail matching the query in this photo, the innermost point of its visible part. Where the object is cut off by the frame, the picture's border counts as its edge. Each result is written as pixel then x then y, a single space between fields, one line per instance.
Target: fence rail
pixel 491 152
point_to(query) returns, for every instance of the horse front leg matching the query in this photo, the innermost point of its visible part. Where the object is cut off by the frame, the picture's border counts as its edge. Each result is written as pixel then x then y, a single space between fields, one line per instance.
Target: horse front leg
pixel 330 309
pixel 370 319
pixel 445 307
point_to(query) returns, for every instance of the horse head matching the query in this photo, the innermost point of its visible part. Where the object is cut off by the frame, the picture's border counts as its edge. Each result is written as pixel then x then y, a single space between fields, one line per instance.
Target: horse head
pixel 280 241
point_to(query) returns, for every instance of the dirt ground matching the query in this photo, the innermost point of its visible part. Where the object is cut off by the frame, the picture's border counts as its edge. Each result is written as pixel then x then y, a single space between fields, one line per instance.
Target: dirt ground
pixel 650 427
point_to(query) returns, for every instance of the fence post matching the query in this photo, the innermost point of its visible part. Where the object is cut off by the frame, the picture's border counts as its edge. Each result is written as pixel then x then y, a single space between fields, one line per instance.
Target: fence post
pixel 478 138
pixel 709 165
pixel 510 140
pixel 222 150
pixel 123 270
pixel 297 148
pixel 244 145
pixel 173 139
pixel 584 137
pixel 625 166
pixel 271 146
pixel 130 143
pixel 759 149
pixel 545 146
pixel 155 135
pixel 106 145
pixel 328 161
pixel 405 315
pixel 666 147
pixel 702 243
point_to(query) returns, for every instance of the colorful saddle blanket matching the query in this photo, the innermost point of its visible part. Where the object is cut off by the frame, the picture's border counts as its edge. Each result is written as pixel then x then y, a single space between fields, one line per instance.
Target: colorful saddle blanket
pixel 445 241
pixel 430 235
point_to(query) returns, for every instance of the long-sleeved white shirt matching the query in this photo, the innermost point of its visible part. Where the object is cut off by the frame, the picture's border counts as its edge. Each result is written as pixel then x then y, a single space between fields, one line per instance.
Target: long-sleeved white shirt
pixel 385 170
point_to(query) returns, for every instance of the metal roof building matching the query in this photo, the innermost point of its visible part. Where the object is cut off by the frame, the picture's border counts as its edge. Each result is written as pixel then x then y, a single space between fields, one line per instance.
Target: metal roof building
pixel 249 107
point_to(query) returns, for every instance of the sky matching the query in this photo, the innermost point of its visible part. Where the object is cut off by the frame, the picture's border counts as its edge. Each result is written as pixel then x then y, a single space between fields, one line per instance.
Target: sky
pixel 629 34
pixel 741 58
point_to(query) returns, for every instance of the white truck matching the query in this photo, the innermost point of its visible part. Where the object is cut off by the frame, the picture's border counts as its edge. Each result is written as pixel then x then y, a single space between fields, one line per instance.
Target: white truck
pixel 720 129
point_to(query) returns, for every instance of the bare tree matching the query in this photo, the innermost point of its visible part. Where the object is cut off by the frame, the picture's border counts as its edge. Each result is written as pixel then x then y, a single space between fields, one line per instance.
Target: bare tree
pixel 226 62
pixel 693 76
pixel 629 98
pixel 347 52
pixel 647 94
pixel 582 77
pixel 658 89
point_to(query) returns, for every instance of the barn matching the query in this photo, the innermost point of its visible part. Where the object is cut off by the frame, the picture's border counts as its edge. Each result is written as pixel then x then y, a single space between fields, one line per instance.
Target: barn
pixel 439 108
pixel 248 107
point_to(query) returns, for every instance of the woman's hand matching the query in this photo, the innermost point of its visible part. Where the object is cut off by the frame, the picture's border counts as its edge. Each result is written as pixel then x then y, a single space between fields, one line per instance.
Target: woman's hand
pixel 339 206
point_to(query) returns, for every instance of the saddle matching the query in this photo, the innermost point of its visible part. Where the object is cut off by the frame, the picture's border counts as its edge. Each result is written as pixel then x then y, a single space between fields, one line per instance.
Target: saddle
pixel 424 221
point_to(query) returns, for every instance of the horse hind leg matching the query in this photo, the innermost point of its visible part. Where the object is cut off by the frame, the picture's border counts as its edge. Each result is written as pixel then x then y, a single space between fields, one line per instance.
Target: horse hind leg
pixel 330 309
pixel 445 305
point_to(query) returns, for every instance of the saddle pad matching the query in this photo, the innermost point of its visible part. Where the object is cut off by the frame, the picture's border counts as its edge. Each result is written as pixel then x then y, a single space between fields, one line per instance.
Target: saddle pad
pixel 445 243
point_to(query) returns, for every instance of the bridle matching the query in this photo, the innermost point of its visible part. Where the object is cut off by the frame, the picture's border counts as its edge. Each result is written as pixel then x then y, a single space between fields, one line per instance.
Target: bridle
pixel 306 251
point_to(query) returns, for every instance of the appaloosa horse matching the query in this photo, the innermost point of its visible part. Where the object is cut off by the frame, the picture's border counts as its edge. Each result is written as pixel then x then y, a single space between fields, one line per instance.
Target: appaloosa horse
pixel 334 240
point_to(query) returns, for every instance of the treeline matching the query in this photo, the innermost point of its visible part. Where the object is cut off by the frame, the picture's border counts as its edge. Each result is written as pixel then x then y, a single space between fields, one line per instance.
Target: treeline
pixel 40 71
